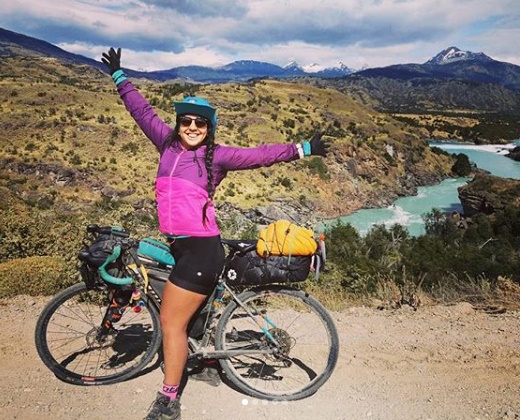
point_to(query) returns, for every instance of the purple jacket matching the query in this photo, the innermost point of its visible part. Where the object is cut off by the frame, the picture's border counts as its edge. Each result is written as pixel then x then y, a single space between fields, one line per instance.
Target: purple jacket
pixel 180 187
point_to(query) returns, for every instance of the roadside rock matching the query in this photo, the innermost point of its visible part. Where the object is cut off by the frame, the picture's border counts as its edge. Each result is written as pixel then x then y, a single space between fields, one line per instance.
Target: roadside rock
pixel 278 209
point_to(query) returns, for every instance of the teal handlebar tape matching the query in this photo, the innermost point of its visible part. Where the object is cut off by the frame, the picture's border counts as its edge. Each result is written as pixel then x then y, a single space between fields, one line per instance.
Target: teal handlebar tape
pixel 109 278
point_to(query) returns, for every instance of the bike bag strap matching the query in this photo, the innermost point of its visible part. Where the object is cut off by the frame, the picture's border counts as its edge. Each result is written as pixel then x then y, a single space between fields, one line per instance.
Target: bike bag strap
pixel 109 278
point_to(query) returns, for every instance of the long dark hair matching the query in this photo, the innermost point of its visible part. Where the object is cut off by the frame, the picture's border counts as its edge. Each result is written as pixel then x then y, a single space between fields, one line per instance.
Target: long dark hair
pixel 208 162
pixel 173 141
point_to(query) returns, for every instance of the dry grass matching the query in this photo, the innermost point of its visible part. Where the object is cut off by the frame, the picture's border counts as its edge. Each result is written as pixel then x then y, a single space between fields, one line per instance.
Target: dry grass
pixel 73 117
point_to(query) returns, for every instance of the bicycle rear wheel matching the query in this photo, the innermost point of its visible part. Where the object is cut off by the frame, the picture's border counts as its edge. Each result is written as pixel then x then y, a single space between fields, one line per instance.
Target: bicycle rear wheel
pixel 67 339
pixel 303 358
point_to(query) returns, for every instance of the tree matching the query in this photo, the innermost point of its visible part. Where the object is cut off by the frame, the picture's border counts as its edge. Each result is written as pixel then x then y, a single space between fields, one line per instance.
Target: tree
pixel 462 166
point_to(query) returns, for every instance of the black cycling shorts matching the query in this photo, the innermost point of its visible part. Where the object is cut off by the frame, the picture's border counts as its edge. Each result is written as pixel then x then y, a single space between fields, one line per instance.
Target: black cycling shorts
pixel 198 263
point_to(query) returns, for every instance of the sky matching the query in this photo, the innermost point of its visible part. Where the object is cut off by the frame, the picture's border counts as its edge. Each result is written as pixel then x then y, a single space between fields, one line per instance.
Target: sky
pixel 162 34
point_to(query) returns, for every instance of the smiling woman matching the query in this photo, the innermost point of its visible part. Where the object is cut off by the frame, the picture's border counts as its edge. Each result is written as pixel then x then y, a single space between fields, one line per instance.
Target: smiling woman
pixel 191 166
pixel 193 130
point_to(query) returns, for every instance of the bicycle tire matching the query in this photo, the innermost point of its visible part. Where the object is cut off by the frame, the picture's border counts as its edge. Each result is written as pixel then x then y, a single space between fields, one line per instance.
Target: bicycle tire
pixel 65 338
pixel 305 330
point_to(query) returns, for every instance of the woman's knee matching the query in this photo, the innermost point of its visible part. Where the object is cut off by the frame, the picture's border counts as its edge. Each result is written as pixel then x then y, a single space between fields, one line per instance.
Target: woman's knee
pixel 171 324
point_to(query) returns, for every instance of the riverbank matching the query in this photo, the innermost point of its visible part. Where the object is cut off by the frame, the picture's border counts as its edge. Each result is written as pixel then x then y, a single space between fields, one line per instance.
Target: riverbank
pixel 500 149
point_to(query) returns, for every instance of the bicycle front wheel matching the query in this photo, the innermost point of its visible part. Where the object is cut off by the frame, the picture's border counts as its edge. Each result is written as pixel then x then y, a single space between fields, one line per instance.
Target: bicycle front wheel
pixel 282 344
pixel 69 342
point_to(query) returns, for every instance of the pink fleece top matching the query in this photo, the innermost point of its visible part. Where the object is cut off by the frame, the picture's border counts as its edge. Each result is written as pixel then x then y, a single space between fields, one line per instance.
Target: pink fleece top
pixel 180 187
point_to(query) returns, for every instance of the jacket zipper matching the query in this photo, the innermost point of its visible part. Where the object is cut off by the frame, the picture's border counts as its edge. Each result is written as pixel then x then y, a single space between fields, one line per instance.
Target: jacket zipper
pixel 170 189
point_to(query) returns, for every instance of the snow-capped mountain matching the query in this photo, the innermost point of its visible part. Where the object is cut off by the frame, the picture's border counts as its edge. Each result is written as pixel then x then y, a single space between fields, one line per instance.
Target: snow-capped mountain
pixel 319 70
pixel 452 80
pixel 313 68
pixel 338 71
pixel 453 54
pixel 293 67
pixel 452 64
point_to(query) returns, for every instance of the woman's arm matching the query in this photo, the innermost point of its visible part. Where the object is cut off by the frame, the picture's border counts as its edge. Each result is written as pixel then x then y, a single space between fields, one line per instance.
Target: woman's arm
pixel 142 112
pixel 144 115
pixel 236 158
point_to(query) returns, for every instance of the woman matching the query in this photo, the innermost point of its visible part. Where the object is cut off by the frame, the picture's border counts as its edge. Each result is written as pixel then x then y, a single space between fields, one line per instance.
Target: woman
pixel 191 166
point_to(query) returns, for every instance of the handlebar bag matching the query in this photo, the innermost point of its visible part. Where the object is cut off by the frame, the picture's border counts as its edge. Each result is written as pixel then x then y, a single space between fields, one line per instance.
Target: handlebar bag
pixel 98 251
pixel 95 256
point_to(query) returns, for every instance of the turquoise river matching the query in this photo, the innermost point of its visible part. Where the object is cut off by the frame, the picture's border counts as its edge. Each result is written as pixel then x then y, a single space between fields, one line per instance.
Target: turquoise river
pixel 408 211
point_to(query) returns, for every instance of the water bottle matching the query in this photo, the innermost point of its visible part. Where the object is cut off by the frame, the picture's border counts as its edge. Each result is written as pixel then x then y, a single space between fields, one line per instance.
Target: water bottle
pixel 218 297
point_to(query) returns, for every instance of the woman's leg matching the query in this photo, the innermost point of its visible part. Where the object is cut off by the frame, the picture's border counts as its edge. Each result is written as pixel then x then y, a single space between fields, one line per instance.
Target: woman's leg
pixel 177 308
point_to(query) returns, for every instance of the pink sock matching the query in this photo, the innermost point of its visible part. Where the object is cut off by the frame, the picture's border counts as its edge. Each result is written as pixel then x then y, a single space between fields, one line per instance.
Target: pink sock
pixel 170 391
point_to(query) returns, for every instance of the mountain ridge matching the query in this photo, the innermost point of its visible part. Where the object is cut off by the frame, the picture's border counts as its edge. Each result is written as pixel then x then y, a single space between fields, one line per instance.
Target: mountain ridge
pixel 449 63
pixel 453 54
pixel 241 70
pixel 453 81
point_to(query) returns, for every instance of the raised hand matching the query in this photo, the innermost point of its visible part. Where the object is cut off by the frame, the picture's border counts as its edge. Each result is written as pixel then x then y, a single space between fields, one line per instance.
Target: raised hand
pixel 112 59
pixel 319 147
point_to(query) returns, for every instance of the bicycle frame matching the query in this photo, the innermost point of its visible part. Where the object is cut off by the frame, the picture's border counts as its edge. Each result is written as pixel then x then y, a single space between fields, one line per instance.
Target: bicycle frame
pixel 149 273
pixel 199 348
pixel 150 276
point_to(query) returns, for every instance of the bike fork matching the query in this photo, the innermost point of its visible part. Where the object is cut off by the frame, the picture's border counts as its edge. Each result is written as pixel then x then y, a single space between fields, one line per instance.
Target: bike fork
pixel 118 302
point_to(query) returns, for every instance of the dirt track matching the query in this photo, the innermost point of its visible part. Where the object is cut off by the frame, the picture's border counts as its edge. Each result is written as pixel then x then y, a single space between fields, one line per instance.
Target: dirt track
pixel 437 363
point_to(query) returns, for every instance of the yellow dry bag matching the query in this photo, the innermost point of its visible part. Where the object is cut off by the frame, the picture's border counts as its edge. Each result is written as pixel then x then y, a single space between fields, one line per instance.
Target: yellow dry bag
pixel 285 238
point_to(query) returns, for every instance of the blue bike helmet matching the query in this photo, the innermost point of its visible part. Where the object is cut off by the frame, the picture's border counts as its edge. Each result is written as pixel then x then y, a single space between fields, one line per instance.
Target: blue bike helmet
pixel 197 106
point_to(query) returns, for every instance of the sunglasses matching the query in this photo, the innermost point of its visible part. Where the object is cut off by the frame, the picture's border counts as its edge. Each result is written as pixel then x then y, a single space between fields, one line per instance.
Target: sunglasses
pixel 186 121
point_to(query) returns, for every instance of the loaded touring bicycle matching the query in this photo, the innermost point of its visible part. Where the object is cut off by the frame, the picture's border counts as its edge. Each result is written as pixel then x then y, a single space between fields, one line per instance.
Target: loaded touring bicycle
pixel 272 340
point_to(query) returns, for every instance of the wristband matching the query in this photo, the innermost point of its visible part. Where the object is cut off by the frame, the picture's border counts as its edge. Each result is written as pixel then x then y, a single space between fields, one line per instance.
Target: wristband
pixel 306 148
pixel 118 77
pixel 299 147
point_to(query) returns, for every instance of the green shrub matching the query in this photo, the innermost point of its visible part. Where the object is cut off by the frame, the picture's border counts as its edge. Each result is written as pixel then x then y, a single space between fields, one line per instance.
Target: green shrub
pixel 316 166
pixel 462 166
pixel 34 276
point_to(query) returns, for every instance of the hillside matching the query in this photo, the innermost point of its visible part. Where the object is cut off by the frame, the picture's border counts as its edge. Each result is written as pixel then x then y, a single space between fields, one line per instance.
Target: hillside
pixel 68 143
pixel 448 109
pixel 457 94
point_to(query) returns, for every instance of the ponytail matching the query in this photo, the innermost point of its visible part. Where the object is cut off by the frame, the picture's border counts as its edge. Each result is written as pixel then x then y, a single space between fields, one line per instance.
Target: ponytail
pixel 208 161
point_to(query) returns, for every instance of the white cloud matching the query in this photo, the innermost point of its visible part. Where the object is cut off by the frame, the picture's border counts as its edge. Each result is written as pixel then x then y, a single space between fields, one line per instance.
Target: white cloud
pixel 158 34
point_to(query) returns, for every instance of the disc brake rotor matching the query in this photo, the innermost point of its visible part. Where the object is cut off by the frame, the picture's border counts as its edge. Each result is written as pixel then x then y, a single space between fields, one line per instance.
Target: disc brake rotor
pixel 106 340
pixel 284 340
